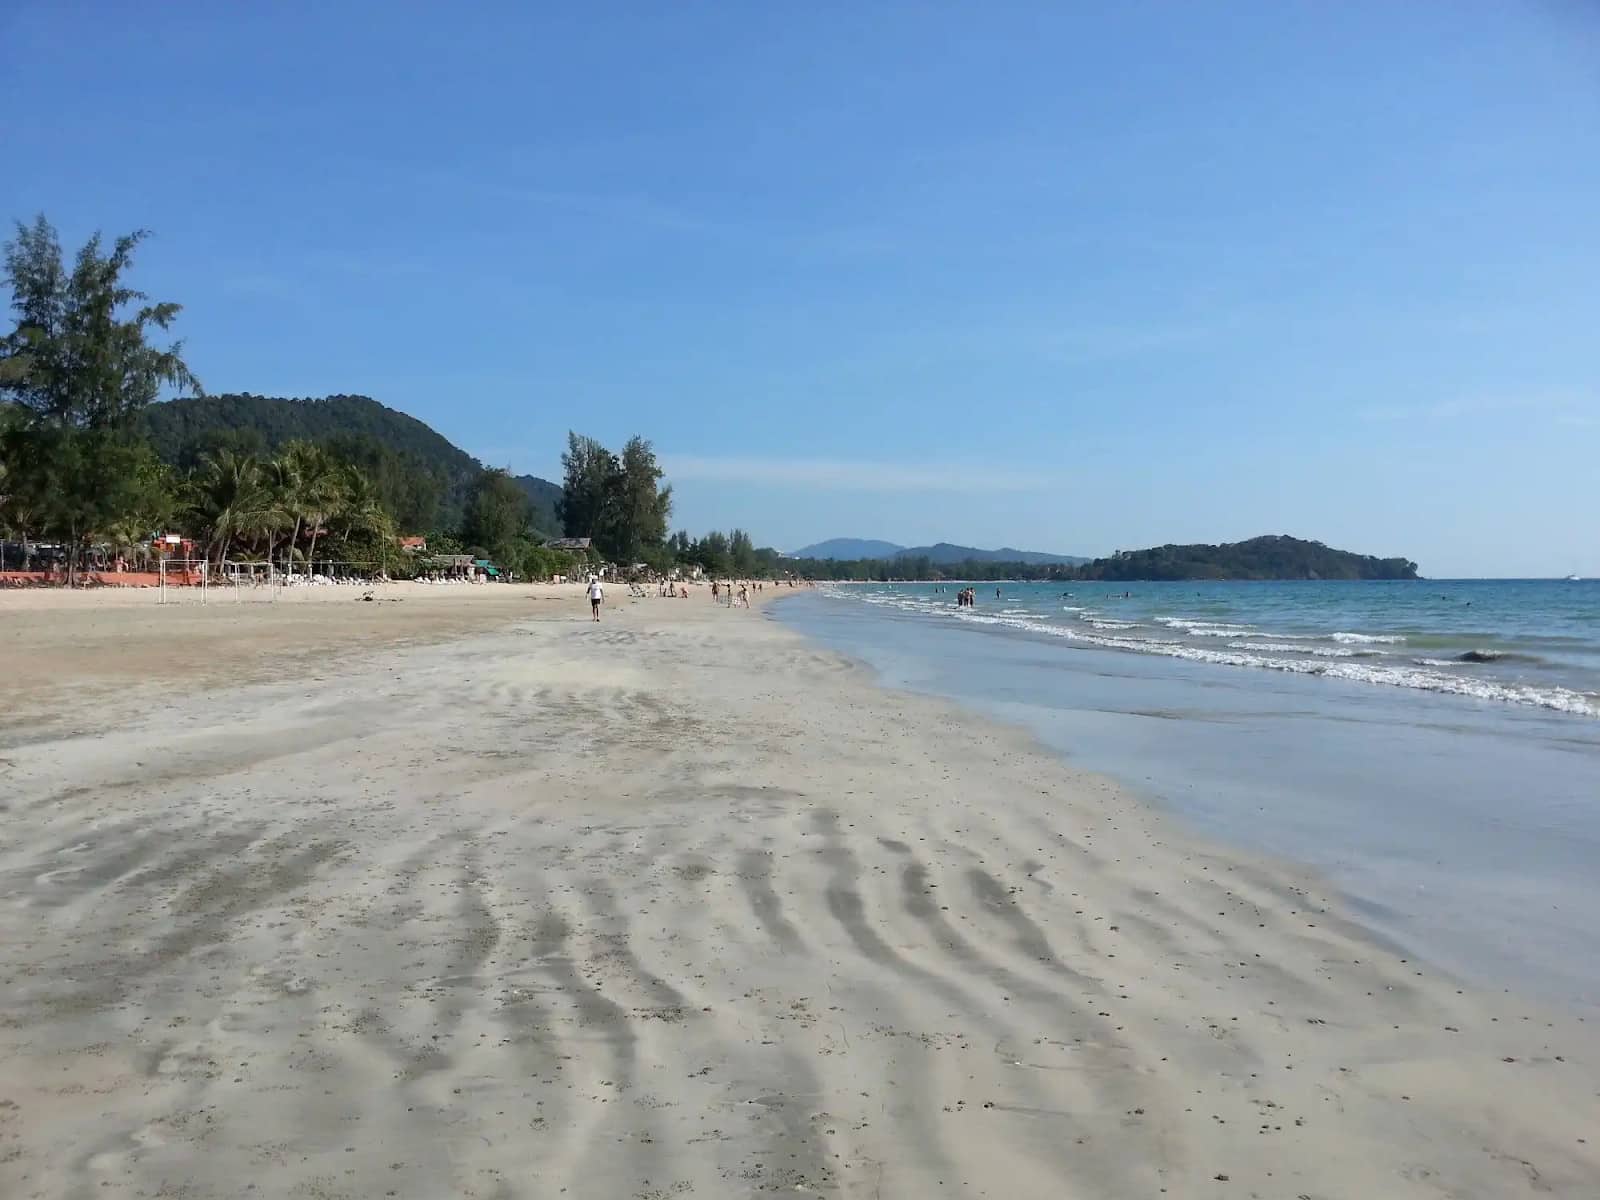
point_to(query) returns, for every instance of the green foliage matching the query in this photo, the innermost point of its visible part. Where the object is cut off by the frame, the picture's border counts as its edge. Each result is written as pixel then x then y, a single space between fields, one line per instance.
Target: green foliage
pixel 424 479
pixel 619 502
pixel 640 506
pixel 299 508
pixel 444 544
pixel 590 477
pixel 497 517
pixel 725 555
pixel 741 553
pixel 408 488
pixel 79 355
pixel 75 370
pixel 87 458
pixel 75 486
pixel 1257 558
pixel 713 555
pixel 228 499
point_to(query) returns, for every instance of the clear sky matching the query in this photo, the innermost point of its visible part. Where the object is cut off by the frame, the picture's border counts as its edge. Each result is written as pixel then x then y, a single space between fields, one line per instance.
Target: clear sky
pixel 1065 277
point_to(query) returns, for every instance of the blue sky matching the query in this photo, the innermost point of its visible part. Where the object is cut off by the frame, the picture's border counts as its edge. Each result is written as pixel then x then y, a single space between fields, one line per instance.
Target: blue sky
pixel 1067 277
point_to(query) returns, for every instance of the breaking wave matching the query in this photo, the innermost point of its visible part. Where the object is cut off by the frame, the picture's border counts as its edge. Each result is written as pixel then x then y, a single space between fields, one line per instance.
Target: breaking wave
pixel 1292 653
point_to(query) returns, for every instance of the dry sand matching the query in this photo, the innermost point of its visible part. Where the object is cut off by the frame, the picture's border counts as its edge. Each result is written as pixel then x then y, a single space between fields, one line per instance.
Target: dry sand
pixel 465 895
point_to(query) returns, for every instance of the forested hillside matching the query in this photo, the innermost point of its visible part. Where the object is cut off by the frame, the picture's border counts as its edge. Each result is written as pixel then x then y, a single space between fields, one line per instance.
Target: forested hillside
pixel 1258 558
pixel 422 476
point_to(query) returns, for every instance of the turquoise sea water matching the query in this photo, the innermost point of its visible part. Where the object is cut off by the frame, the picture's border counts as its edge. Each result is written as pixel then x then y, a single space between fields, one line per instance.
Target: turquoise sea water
pixel 1456 804
pixel 1534 642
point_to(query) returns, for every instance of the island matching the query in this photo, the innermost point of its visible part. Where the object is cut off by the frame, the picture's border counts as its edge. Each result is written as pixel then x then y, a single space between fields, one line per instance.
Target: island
pixel 1268 557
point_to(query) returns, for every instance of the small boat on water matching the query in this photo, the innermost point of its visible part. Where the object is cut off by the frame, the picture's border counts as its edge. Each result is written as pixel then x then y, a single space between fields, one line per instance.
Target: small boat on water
pixel 1574 579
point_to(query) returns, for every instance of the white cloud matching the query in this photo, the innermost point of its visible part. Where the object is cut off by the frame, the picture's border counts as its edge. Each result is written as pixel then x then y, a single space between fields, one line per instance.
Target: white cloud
pixel 853 475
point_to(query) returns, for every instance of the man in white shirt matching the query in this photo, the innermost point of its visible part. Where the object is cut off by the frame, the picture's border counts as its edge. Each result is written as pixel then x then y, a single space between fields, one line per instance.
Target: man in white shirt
pixel 596 594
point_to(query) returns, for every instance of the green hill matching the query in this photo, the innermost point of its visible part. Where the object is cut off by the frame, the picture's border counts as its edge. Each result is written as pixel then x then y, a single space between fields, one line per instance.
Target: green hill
pixel 423 474
pixel 1258 558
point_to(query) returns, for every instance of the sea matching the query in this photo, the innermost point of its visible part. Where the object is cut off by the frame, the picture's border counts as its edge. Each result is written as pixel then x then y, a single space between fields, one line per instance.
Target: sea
pixel 1431 748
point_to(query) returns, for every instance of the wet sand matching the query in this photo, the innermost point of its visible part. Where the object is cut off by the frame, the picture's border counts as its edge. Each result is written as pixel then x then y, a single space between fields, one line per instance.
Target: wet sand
pixel 466 895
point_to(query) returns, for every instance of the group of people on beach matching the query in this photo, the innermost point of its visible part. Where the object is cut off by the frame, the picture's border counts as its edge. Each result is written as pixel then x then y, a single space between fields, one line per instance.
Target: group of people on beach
pixel 967 598
pixel 723 593
pixel 734 595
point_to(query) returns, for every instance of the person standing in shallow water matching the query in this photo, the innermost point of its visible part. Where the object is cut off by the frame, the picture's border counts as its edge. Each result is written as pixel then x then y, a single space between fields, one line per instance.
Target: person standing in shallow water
pixel 596 595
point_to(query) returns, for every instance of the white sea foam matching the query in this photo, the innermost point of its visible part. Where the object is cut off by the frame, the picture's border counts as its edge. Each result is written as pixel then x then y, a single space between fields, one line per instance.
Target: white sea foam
pixel 1296 648
pixel 1422 674
pixel 1194 624
pixel 1557 698
pixel 1111 625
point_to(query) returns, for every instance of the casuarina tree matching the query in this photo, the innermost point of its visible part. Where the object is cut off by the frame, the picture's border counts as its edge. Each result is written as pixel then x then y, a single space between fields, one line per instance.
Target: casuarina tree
pixel 79 355
pixel 618 501
pixel 79 367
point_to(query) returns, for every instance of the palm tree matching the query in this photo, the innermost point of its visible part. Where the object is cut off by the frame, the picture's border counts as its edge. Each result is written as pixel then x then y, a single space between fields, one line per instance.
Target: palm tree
pixel 226 499
pixel 286 483
pixel 317 485
pixel 126 537
pixel 360 509
pixel 323 494
pixel 279 483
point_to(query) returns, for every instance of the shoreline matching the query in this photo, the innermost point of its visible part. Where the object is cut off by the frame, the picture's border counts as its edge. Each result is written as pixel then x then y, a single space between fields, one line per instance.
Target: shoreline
pixel 1398 799
pixel 682 904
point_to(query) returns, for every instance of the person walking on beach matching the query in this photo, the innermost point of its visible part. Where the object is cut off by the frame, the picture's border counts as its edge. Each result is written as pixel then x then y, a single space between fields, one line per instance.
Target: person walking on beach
pixel 596 594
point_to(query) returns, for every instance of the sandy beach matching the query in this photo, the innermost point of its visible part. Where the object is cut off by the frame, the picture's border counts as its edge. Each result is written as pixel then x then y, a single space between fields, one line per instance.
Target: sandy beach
pixel 456 893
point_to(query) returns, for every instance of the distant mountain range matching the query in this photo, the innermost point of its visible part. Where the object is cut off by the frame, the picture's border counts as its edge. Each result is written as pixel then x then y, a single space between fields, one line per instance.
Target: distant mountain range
pixel 849 549
pixel 940 554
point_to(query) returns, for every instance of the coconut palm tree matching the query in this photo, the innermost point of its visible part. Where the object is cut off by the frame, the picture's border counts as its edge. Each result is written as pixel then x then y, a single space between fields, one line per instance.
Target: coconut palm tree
pixel 226 500
pixel 362 523
pixel 279 484
pixel 323 495
pixel 360 508
pixel 317 484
